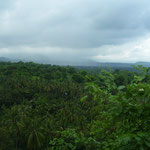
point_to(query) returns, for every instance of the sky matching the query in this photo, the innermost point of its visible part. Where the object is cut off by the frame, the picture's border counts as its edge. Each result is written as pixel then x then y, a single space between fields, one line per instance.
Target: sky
pixel 75 30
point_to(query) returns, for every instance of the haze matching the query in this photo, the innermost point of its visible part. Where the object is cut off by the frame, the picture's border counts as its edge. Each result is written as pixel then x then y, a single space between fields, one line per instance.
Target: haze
pixel 75 31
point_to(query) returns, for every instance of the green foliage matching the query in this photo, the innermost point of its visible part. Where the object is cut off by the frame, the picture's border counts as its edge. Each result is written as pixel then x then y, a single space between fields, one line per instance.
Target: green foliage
pixel 45 107
pixel 69 139
pixel 131 141
pixel 5 141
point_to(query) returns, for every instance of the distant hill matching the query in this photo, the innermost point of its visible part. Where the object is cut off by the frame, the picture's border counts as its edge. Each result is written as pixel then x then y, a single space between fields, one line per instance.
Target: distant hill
pixel 124 65
pixel 4 59
pixel 82 63
pixel 145 64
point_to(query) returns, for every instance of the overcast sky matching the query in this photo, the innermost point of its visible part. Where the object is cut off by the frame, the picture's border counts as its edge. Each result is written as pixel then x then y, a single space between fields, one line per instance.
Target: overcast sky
pixel 76 30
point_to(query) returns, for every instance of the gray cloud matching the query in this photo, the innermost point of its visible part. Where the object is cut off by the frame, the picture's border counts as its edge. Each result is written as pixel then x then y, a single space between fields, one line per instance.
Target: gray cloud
pixel 80 28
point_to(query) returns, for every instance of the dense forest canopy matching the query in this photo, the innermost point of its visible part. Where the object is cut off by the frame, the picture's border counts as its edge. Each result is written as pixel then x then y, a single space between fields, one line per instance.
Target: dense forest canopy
pixel 49 107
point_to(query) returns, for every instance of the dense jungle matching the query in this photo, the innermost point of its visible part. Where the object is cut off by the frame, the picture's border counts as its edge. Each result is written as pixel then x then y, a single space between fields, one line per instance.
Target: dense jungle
pixel 50 107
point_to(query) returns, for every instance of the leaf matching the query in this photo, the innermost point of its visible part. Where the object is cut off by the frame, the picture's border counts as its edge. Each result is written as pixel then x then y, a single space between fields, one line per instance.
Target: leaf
pixel 121 87
pixel 83 98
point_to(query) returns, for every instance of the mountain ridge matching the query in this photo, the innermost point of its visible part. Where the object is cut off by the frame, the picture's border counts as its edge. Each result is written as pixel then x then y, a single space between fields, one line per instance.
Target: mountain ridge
pixel 80 63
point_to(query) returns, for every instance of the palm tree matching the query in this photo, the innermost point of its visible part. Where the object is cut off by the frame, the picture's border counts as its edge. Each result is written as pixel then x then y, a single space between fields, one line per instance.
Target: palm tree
pixel 35 140
pixel 36 137
pixel 13 122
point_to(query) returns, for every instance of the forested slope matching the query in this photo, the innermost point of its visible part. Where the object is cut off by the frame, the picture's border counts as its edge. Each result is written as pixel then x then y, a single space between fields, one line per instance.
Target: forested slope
pixel 45 107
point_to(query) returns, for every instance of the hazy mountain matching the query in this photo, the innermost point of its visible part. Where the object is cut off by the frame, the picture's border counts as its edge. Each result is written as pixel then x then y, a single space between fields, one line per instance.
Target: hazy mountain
pixel 4 59
pixel 84 62
pixel 145 64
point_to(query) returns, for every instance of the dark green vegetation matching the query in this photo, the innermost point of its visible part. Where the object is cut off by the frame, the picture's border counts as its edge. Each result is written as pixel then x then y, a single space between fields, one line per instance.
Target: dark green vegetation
pixel 44 107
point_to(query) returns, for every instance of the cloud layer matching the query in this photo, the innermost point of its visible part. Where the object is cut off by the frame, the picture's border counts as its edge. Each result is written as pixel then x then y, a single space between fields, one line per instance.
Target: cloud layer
pixel 103 30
